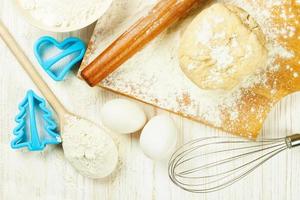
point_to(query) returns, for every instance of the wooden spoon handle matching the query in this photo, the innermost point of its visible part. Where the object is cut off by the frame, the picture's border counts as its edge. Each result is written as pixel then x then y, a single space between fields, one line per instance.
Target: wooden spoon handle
pixel 31 71
pixel 164 14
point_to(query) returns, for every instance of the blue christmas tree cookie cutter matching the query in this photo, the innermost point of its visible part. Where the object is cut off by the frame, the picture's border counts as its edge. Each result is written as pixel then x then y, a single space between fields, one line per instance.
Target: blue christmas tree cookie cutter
pixel 68 47
pixel 28 131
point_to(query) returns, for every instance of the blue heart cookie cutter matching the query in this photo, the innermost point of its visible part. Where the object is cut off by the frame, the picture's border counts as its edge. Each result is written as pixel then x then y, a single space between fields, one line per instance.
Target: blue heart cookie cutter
pixel 68 47
pixel 35 126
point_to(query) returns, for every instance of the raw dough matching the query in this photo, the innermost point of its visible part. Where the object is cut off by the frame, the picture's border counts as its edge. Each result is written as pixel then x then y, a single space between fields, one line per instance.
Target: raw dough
pixel 221 47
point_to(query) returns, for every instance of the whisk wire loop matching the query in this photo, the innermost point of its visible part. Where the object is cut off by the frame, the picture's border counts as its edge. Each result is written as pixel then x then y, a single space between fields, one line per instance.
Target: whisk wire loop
pixel 210 164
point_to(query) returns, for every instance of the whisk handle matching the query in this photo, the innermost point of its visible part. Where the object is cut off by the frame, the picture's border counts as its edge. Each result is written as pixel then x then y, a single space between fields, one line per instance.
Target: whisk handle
pixel 292 141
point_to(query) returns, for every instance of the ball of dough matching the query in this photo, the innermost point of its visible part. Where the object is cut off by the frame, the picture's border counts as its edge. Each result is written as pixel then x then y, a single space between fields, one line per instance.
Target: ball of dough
pixel 221 47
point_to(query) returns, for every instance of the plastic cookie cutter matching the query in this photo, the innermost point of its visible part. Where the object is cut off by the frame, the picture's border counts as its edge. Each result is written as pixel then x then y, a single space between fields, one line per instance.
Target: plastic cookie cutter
pixel 58 58
pixel 36 127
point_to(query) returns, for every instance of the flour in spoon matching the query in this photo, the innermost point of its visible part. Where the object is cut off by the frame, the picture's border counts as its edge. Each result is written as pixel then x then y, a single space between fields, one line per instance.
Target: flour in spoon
pixel 88 148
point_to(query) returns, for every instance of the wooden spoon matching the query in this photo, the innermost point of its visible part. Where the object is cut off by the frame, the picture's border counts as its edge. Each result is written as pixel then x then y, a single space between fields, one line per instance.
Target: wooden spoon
pixel 93 167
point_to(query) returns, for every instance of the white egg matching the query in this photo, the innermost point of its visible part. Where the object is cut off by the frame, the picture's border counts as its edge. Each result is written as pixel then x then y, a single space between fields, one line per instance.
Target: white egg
pixel 123 116
pixel 159 137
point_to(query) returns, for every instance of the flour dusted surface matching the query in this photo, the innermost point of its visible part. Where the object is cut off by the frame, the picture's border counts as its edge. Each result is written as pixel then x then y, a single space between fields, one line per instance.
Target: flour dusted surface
pixel 63 13
pixel 154 76
pixel 235 49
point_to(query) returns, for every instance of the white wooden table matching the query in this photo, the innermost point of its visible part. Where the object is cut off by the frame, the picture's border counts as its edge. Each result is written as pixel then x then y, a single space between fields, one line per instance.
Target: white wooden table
pixel 47 175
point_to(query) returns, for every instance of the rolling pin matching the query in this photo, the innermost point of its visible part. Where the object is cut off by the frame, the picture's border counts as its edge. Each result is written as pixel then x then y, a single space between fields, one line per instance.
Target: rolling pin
pixel 163 15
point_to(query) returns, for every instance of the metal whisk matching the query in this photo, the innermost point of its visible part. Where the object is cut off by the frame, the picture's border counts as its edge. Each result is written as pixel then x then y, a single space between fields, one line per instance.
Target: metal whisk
pixel 210 164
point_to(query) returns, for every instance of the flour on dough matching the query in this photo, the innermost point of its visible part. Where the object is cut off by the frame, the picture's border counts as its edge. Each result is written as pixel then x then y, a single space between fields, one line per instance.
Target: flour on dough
pixel 222 46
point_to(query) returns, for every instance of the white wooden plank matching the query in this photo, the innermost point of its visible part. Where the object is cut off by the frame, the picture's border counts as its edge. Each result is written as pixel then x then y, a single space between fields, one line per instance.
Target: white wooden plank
pixel 48 176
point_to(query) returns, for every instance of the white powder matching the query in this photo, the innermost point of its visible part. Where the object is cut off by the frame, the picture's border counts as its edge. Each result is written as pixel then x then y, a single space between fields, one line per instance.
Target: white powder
pixel 192 66
pixel 219 35
pixel 218 19
pixel 221 55
pixel 88 148
pixel 205 33
pixel 64 13
pixel 154 76
pixel 296 75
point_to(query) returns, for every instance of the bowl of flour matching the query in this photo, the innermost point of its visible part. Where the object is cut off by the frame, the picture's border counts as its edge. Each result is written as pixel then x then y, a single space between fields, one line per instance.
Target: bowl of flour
pixel 62 15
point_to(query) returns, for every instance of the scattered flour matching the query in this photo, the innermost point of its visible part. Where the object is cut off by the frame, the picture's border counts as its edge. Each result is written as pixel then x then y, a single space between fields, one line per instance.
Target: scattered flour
pixel 205 33
pixel 296 75
pixel 222 55
pixel 154 76
pixel 64 13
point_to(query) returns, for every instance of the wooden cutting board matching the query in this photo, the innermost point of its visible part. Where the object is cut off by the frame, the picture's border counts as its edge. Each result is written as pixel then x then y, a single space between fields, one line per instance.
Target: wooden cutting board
pixel 153 75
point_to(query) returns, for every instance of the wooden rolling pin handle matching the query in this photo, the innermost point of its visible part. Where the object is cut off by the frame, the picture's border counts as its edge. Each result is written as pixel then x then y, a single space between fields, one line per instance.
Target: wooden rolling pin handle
pixel 164 14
